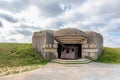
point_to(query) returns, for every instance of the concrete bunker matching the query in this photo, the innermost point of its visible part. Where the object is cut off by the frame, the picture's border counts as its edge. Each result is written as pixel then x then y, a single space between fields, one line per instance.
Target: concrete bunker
pixel 68 43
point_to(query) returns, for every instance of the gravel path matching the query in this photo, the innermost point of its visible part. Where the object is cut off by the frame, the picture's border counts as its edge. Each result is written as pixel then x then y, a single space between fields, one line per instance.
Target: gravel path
pixel 54 71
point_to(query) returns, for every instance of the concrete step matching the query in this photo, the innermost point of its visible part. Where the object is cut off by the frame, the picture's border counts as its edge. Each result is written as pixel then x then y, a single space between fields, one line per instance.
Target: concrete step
pixel 77 61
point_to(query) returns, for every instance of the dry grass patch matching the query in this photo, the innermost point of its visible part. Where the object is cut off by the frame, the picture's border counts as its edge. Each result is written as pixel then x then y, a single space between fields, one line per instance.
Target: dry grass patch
pixel 13 70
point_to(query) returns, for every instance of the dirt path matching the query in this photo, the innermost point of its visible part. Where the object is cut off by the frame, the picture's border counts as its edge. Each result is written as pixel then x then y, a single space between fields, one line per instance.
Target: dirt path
pixel 53 71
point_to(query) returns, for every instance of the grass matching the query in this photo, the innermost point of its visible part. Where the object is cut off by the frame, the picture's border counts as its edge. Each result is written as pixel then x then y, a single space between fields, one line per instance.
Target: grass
pixel 16 57
pixel 110 55
pixel 15 54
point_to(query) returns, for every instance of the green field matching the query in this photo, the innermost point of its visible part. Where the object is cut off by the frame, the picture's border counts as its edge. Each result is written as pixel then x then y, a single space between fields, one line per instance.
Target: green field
pixel 15 54
pixel 110 55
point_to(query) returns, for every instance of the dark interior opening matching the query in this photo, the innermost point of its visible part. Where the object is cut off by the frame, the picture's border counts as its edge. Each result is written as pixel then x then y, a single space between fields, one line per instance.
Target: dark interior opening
pixel 77 45
pixel 67 51
pixel 73 50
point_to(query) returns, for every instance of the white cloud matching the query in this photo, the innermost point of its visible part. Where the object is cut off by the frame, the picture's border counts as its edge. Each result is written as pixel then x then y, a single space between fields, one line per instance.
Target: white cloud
pixel 30 13
pixel 33 15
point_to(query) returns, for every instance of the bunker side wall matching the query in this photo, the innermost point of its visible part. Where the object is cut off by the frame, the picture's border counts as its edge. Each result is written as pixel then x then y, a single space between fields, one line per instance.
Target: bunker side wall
pixel 43 41
pixel 93 48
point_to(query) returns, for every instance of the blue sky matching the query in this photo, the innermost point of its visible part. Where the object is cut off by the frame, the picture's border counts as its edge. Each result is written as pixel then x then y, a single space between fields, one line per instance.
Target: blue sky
pixel 20 18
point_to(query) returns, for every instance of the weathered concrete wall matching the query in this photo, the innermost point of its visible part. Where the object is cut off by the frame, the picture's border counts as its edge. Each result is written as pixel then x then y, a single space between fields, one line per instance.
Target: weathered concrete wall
pixel 94 41
pixel 41 40
pixel 70 32
pixel 45 43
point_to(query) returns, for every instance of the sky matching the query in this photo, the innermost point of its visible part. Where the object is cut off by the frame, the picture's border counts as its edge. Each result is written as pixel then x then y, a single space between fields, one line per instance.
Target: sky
pixel 19 19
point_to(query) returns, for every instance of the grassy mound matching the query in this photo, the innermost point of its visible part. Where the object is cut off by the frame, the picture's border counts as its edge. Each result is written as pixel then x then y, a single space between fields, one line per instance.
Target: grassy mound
pixel 14 54
pixel 110 55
